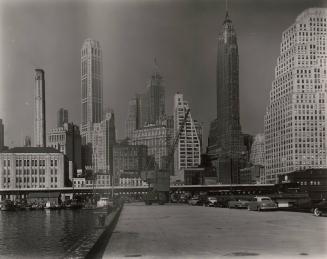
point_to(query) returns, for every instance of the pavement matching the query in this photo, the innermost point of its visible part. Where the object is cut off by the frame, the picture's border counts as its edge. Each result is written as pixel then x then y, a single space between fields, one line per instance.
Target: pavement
pixel 183 231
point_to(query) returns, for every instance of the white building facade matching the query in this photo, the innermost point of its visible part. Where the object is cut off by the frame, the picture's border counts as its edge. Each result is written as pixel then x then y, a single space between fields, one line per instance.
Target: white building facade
pixel 131 182
pixel 257 155
pixel 33 167
pixel 188 150
pixel 91 88
pixel 295 120
pixel 156 138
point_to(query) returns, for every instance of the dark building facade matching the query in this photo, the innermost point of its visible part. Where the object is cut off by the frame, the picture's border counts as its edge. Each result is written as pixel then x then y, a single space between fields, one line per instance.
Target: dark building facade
pixel 128 158
pixel 147 108
pixel 312 181
pixel 133 116
pixel 2 134
pixel 229 138
pixel 67 140
pixel 154 99
pixel 62 117
pixel 247 141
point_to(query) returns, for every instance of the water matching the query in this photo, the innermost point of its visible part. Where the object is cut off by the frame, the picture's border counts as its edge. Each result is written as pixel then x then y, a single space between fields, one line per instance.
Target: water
pixel 43 233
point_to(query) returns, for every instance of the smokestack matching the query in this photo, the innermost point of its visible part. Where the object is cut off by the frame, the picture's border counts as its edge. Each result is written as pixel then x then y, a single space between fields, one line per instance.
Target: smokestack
pixel 39 109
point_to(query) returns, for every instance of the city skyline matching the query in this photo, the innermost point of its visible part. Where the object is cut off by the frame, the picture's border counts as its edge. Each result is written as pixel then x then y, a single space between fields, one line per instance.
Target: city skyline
pixel 20 57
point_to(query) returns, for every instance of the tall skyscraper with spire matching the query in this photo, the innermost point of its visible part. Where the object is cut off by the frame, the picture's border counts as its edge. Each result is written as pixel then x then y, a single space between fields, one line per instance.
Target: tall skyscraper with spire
pixel 39 109
pixel 91 88
pixel 153 102
pixel 229 138
pixel 148 108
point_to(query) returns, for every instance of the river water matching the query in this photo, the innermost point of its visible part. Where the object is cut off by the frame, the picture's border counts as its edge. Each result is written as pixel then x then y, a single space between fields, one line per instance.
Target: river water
pixel 43 233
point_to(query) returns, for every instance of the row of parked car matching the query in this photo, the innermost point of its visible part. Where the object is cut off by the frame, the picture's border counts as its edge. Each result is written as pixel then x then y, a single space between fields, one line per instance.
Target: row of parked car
pixel 257 203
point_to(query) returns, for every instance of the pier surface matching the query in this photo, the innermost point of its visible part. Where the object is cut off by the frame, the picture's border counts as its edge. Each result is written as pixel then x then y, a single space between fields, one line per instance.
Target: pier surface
pixel 199 232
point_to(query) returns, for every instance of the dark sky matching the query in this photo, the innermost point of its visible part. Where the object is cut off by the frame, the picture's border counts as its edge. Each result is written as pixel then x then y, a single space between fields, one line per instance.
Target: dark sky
pixel 182 35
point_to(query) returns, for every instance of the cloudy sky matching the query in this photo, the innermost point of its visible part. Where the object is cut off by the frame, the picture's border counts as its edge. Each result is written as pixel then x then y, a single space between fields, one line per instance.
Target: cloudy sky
pixel 181 34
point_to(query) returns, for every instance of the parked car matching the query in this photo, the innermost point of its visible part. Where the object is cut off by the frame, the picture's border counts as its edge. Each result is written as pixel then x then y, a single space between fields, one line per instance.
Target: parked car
pixel 320 208
pixel 211 201
pixel 194 201
pixel 222 202
pixel 183 198
pixel 238 204
pixel 260 203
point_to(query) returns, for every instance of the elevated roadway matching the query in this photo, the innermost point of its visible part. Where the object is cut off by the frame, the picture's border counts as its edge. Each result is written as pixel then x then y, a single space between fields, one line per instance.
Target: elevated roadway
pixel 235 188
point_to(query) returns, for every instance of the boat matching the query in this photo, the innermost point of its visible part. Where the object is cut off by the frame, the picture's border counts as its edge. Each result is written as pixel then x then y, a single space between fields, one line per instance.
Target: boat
pixel 104 202
pixel 51 206
pixel 89 206
pixel 7 205
pixel 75 204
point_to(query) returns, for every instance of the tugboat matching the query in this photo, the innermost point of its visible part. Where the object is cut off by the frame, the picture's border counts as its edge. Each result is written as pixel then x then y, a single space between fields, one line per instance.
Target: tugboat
pixel 51 206
pixel 7 205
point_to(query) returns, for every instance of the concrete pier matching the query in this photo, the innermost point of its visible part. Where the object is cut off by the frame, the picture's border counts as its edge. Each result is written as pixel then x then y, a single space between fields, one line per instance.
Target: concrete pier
pixel 171 231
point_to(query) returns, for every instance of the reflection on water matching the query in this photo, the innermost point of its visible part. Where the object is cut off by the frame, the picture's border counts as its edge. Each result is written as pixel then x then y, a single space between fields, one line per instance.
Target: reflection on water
pixel 43 233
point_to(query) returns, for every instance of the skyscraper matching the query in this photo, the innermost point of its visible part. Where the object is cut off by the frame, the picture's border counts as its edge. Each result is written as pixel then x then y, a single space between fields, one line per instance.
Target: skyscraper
pixel 39 109
pixel 295 120
pixel 103 141
pixel 27 141
pixel 132 122
pixel 2 132
pixel 156 138
pixel 150 108
pixel 188 149
pixel 91 88
pixel 257 156
pixel 229 138
pixel 67 140
pixel 155 99
pixel 62 117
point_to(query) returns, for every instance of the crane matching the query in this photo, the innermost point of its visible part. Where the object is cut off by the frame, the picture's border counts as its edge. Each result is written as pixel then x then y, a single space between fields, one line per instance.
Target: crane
pixel 155 194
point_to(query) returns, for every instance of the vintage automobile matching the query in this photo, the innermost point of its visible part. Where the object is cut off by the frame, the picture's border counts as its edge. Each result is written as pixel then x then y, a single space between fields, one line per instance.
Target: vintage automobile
pixel 211 201
pixel 320 208
pixel 195 200
pixel 238 204
pixel 260 203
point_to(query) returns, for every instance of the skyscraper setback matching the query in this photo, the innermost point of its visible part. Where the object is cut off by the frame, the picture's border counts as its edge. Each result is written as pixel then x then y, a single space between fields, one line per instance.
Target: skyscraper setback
pixel 229 139
pixel 39 109
pixel 91 88
pixel 295 120
pixel 188 150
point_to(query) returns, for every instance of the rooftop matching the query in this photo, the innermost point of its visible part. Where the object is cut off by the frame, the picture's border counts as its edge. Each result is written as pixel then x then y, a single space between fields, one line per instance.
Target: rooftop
pixel 31 150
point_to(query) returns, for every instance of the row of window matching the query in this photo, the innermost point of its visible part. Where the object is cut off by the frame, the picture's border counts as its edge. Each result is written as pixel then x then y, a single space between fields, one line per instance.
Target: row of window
pixel 30 179
pixel 33 162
